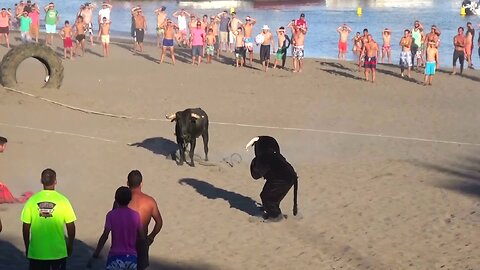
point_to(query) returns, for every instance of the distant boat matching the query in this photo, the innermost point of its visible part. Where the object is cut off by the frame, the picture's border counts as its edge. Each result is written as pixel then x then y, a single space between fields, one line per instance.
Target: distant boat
pixel 471 7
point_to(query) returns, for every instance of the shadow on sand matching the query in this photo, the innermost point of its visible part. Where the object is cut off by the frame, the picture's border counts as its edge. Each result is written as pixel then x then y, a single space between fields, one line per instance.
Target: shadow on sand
pixel 342 73
pixel 159 146
pixel 13 258
pixel 463 177
pixel 237 201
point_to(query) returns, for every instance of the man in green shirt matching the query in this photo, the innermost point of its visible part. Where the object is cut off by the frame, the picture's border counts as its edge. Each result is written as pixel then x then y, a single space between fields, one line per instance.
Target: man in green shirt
pixel 25 22
pixel 51 20
pixel 44 217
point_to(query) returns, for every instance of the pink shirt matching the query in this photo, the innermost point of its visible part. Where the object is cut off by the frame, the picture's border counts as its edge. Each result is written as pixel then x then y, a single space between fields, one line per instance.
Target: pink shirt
pixel 4 20
pixel 124 223
pixel 35 18
pixel 197 36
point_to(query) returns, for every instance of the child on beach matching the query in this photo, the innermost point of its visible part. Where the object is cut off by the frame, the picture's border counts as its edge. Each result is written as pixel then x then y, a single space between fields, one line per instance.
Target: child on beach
pixel 25 23
pixel 125 226
pixel 240 51
pixel 431 63
pixel 283 44
pixel 210 48
pixel 80 35
pixel 104 33
pixel 66 35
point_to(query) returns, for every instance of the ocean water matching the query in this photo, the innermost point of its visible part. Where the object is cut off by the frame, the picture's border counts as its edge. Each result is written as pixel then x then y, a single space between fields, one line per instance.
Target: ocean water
pixel 322 16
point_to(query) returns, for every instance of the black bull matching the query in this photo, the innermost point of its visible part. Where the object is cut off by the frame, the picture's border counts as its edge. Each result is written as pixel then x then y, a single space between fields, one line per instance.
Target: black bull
pixel 189 125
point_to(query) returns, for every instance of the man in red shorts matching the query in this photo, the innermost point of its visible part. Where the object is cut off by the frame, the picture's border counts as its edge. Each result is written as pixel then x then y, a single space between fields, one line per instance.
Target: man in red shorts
pixel 343 31
pixel 66 35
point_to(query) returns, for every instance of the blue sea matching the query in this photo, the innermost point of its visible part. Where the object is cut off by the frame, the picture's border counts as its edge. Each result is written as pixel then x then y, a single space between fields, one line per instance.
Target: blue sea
pixel 323 18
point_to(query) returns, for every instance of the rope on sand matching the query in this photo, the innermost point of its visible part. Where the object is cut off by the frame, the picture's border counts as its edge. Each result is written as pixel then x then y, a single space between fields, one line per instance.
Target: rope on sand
pixel 325 131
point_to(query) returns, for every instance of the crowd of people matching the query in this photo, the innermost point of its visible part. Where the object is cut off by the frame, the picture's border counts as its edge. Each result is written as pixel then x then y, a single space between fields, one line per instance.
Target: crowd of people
pixel 417 47
pixel 206 36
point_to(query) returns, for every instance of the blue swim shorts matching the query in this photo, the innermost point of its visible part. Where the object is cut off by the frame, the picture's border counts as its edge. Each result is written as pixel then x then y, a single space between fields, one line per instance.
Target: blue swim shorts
pixel 430 68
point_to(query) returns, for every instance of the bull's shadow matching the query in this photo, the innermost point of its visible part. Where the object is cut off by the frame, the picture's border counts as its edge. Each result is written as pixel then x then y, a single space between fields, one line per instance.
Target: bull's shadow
pixel 463 177
pixel 159 146
pixel 236 200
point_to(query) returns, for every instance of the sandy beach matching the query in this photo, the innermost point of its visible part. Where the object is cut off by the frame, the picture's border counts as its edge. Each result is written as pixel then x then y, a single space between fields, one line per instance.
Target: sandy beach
pixel 389 172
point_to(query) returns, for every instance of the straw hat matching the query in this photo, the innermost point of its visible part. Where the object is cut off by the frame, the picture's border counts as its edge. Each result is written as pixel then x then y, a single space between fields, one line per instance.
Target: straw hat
pixel 265 27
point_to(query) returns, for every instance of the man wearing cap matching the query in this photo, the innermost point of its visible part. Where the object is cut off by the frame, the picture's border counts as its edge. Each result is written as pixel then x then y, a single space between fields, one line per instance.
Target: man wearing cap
pixel 45 216
pixel 86 12
pixel 248 26
pixel 51 20
pixel 301 22
pixel 223 27
pixel 161 19
pixel 265 47
pixel 167 43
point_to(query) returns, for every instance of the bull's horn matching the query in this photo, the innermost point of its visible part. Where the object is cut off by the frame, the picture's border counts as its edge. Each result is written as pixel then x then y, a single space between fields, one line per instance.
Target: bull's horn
pixel 251 142
pixel 194 115
pixel 170 117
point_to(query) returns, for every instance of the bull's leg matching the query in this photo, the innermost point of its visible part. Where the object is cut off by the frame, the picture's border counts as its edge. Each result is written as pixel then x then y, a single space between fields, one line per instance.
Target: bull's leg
pixel 192 150
pixel 205 143
pixel 182 153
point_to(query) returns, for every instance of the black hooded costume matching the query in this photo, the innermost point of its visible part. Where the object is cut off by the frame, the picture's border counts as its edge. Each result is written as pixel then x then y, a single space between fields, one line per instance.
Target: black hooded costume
pixel 278 173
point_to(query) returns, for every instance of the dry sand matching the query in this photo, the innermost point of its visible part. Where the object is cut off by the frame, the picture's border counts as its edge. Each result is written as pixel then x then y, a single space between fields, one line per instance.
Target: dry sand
pixel 366 201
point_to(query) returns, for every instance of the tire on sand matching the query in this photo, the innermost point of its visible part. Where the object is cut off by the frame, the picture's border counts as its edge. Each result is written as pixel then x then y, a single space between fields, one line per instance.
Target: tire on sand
pixel 47 56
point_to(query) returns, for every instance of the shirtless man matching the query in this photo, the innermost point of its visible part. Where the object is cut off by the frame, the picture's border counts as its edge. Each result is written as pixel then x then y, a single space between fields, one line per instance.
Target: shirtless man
pixel 248 26
pixel 432 36
pixel 140 30
pixel 66 35
pixel 147 208
pixel 104 33
pixel 181 16
pixel 459 53
pixel 298 38
pixel 233 25
pixel 431 63
pixel 469 44
pixel 191 26
pixel 364 39
pixel 387 46
pixel 371 52
pixel 357 44
pixel 86 13
pixel 79 35
pixel 343 32
pixel 214 24
pixel 266 47
pixel 169 34
pixel 406 54
pixel 161 19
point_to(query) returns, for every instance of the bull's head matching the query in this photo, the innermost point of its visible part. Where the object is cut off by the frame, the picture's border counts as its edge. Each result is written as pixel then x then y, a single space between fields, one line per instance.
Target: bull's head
pixel 185 121
pixel 173 117
pixel 264 144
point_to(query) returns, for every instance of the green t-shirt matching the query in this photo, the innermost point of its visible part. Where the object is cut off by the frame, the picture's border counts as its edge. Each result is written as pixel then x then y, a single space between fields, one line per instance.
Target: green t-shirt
pixel 25 24
pixel 51 17
pixel 47 212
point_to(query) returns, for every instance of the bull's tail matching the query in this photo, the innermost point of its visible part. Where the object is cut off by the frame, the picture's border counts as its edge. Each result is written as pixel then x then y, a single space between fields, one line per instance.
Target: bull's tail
pixel 295 190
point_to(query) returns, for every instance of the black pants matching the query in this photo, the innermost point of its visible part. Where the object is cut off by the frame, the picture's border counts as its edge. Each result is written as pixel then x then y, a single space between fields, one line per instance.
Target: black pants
pixel 272 194
pixel 139 34
pixel 459 55
pixel 60 264
pixel 264 53
pixel 414 50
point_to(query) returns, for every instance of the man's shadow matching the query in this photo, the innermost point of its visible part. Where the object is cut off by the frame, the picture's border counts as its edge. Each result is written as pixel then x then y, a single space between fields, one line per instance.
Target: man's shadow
pixel 236 200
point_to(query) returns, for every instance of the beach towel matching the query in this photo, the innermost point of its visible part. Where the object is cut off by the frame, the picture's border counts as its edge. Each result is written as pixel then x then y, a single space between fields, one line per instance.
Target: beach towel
pixel 7 197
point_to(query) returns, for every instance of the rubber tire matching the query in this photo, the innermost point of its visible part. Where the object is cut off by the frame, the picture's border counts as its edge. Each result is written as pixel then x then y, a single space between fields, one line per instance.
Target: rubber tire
pixel 44 54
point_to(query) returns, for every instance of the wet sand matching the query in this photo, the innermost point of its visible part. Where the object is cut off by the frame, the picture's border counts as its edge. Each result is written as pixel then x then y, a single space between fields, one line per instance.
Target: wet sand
pixel 388 171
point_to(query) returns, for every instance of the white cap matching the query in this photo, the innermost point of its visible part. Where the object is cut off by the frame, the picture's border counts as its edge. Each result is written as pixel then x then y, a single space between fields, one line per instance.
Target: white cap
pixel 265 27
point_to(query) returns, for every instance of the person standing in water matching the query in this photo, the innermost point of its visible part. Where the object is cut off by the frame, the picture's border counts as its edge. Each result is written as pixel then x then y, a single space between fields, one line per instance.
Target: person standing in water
pixel 343 31
pixel 387 46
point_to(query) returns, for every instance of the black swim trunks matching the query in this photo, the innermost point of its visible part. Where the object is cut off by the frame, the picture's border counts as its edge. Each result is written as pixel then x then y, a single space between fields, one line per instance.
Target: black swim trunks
pixel 80 37
pixel 264 53
pixel 139 35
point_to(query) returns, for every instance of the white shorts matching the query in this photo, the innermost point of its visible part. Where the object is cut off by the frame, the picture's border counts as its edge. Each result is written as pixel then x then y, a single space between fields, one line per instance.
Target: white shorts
pixel 232 38
pixel 51 29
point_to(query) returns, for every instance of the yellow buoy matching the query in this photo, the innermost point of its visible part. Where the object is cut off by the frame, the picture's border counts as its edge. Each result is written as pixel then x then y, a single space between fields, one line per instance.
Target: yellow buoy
pixel 359 11
pixel 462 11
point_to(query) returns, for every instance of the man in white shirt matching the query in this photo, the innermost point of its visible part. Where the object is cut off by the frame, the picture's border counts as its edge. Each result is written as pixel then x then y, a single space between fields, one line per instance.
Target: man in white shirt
pixel 104 12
